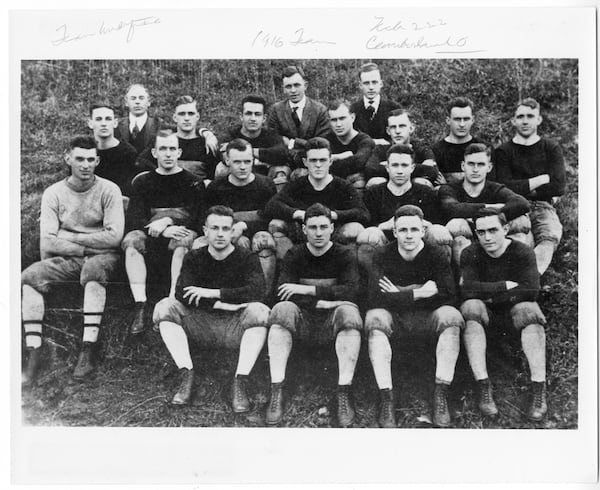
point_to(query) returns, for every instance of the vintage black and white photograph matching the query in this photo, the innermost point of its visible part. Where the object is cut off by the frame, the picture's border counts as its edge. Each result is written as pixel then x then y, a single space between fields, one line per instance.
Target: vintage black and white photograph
pixel 243 263
pixel 274 242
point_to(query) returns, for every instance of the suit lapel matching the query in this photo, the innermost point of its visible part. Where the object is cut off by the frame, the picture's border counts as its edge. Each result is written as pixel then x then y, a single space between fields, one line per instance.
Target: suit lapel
pixel 307 116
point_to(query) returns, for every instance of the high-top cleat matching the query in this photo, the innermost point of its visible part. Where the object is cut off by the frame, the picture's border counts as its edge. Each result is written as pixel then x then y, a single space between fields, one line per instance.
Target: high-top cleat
pixel 345 406
pixel 138 324
pixel 184 392
pixel 538 407
pixel 387 409
pixel 441 415
pixel 30 373
pixel 239 398
pixel 487 406
pixel 85 365
pixel 275 408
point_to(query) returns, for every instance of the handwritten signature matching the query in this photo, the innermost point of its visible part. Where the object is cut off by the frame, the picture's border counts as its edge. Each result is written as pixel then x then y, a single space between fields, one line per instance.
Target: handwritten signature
pixel 128 27
pixel 422 43
pixel 266 39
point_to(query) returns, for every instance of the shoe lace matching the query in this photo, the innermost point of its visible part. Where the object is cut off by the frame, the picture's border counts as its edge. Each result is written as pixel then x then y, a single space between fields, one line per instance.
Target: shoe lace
pixel 386 407
pixel 538 396
pixel 343 401
pixel 486 394
pixel 275 397
pixel 441 401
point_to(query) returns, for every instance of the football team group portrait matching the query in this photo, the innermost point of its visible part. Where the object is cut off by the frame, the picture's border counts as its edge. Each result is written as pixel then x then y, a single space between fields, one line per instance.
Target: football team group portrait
pixel 300 243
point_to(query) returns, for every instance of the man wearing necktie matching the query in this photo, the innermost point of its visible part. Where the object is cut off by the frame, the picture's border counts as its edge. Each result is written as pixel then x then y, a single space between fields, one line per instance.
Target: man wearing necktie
pixel 371 110
pixel 138 129
pixel 298 118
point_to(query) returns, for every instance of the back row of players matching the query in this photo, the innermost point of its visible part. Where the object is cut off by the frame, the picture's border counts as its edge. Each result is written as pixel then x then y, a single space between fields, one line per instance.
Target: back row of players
pixel 321 164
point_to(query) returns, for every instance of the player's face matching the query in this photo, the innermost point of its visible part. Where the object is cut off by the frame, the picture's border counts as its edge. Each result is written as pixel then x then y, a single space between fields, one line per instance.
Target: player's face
pixel 341 121
pixel 218 231
pixel 400 167
pixel 370 84
pixel 253 116
pixel 318 162
pixel 526 120
pixel 399 129
pixel 460 121
pixel 409 232
pixel 490 233
pixel 186 117
pixel 83 162
pixel 137 101
pixel 167 152
pixel 240 163
pixel 476 166
pixel 318 230
pixel 102 122
pixel 294 87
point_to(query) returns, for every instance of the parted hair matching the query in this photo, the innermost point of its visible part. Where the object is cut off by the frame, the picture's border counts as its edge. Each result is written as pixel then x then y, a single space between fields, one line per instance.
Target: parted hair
pixel 220 210
pixel 398 112
pixel 136 85
pixel 528 102
pixel 82 141
pixel 400 149
pixel 186 99
pixel 459 102
pixel 317 209
pixel 486 212
pixel 290 71
pixel 367 67
pixel 335 104
pixel 238 144
pixel 101 105
pixel 409 210
pixel 317 143
pixel 163 133
pixel 478 148
pixel 254 99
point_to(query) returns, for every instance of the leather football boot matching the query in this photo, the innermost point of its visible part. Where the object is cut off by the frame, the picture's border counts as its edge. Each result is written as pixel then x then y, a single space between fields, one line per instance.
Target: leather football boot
pixel 441 414
pixel 184 392
pixel 85 364
pixel 29 375
pixel 487 406
pixel 538 407
pixel 239 398
pixel 345 406
pixel 275 409
pixel 138 324
pixel 387 410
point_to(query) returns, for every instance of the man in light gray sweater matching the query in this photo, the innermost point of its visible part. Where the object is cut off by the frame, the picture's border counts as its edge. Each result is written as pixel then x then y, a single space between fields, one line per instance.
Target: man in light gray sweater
pixel 81 227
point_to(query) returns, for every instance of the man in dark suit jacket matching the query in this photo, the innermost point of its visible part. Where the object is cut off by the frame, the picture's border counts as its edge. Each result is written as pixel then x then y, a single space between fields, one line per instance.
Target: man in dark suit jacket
pixel 298 118
pixel 372 110
pixel 138 129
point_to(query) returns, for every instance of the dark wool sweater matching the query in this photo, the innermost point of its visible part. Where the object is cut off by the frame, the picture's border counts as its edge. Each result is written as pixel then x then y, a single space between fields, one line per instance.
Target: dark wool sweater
pixel 449 156
pixel 361 146
pixel 269 144
pixel 117 164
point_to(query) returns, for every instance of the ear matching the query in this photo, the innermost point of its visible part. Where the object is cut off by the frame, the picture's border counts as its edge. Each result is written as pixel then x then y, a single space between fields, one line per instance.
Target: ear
pixel 204 229
pixel 304 161
pixel 153 151
pixel 352 116
pixel 303 228
pixel 411 128
pixel 115 122
pixel 490 166
pixel 174 117
pixel 394 230
pixel 90 124
pixel 462 165
pixel 179 152
pixel 448 120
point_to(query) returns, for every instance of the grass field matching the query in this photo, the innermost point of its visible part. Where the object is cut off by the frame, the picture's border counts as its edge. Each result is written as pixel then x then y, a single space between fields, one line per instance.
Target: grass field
pixel 135 379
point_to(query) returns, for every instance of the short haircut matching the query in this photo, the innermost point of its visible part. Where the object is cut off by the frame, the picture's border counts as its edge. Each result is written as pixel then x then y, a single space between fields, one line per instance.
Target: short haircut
pixel 335 104
pixel 409 210
pixel 528 102
pixel 402 150
pixel 486 212
pixel 460 102
pixel 185 99
pixel 317 209
pixel 478 148
pixel 81 141
pixel 101 105
pixel 317 143
pixel 396 113
pixel 290 71
pixel 136 85
pixel 367 67
pixel 219 210
pixel 253 99
pixel 238 144
pixel 163 133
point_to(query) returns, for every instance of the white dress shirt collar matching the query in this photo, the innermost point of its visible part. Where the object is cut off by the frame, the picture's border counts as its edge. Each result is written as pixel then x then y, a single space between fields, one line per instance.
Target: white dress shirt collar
pixel 141 121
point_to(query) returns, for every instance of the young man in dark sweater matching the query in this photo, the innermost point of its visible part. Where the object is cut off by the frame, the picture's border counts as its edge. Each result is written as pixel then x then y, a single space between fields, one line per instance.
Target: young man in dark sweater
pixel 371 110
pixel 218 303
pixel 138 128
pixel 382 201
pixel 461 200
pixel 411 290
pixel 247 194
pixel 500 284
pixel 268 149
pixel 117 158
pixel 287 208
pixel 450 150
pixel 165 207
pixel 534 167
pixel 197 156
pixel 350 149
pixel 399 130
pixel 318 289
